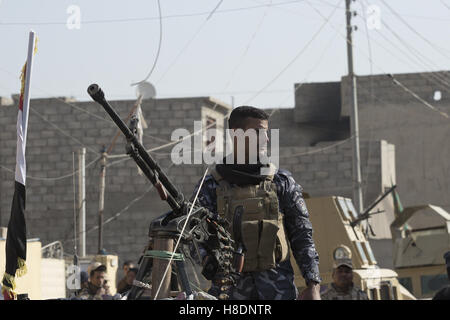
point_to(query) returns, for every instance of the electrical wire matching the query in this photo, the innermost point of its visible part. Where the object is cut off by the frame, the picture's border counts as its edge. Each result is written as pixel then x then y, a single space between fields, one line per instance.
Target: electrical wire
pixel 214 10
pixel 414 30
pixel 247 47
pixel 410 50
pixel 207 13
pixel 63 131
pixel 78 108
pixel 369 148
pixel 53 178
pixel 181 234
pixel 116 215
pixel 302 50
pixel 319 60
pixel 428 105
pixel 186 46
pixel 159 47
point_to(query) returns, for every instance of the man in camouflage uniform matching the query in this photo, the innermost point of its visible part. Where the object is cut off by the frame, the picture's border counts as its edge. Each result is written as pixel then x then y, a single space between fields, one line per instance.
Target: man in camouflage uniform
pixel 97 288
pixel 343 288
pixel 275 282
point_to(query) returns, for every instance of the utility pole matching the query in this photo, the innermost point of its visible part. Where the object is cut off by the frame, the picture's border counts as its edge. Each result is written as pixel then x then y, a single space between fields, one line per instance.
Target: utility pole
pixel 101 202
pixel 82 201
pixel 357 190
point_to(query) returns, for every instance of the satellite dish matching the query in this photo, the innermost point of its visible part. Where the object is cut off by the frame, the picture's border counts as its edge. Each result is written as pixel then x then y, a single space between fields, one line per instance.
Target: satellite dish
pixel 146 89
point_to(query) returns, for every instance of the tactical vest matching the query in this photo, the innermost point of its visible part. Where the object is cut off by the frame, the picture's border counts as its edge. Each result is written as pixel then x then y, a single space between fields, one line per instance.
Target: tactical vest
pixel 254 221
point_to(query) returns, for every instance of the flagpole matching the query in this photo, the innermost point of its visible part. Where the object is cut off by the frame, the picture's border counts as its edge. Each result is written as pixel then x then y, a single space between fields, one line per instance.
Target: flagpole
pixel 16 242
pixel 26 94
pixel 24 104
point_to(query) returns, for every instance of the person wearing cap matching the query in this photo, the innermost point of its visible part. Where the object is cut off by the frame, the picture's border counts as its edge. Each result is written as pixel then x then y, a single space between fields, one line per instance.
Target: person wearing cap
pixel 342 287
pixel 444 293
pixel 97 288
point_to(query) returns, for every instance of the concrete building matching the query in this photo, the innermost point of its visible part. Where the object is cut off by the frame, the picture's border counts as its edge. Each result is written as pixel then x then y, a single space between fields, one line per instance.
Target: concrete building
pixel 402 141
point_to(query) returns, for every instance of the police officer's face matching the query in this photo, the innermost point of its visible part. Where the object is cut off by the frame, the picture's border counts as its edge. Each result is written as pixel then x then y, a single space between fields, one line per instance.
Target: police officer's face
pixel 98 279
pixel 343 277
pixel 261 128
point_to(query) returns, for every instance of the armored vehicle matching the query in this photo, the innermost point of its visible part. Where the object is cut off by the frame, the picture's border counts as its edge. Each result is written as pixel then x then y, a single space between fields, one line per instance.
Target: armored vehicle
pixel 332 219
pixel 421 236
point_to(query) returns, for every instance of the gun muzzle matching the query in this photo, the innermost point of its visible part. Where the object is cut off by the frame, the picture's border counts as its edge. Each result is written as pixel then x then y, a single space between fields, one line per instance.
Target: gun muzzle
pixel 96 93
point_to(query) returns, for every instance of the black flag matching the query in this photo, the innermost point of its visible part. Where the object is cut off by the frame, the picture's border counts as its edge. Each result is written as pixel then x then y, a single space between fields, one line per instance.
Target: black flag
pixel 16 239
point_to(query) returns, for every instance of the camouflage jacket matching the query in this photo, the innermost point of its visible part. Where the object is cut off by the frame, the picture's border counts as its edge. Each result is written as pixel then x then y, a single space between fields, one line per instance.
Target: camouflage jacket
pixel 276 283
pixel 89 293
pixel 355 293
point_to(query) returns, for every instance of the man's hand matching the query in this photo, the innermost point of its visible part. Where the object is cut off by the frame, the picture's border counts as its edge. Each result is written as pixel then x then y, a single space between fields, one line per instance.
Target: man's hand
pixel 106 287
pixel 312 292
pixel 101 291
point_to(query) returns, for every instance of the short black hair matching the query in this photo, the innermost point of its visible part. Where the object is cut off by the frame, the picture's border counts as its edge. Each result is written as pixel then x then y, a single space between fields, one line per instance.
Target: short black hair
pixel 135 270
pixel 238 116
pixel 127 263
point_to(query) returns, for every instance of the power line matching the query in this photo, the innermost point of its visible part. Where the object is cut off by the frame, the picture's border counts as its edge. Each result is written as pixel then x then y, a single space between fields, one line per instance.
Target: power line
pixel 319 149
pixel 247 47
pixel 197 32
pixel 205 13
pixel 159 46
pixel 322 55
pixel 303 49
pixel 369 149
pixel 419 56
pixel 428 105
pixel 214 10
pixel 116 215
pixel 53 178
pixel 433 77
pixel 63 131
pixel 414 30
pixel 79 108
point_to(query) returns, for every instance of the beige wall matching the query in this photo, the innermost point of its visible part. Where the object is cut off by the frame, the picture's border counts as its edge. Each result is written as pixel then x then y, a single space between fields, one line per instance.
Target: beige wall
pixel 31 282
pixel 53 279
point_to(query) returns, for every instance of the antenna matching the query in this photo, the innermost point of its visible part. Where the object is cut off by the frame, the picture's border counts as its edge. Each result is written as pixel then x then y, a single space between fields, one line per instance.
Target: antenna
pixel 146 90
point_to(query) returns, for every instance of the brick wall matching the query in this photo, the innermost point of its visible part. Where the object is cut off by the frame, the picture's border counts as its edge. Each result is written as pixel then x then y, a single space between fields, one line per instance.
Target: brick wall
pixel 421 135
pixel 50 203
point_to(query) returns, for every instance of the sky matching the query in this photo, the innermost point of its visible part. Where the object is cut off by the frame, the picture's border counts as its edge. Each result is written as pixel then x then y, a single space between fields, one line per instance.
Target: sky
pixel 238 51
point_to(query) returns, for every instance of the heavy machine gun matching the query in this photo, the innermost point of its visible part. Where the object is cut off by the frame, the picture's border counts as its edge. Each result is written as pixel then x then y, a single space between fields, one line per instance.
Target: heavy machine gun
pixel 203 228
pixel 367 214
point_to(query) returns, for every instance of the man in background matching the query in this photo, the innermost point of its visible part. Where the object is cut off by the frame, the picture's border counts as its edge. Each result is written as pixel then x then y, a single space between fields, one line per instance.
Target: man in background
pixel 127 265
pixel 342 287
pixel 97 287
pixel 131 276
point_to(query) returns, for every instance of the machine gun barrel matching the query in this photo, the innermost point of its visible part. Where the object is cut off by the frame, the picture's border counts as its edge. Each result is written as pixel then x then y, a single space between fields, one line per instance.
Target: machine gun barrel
pixel 366 214
pixel 149 166
pixel 204 227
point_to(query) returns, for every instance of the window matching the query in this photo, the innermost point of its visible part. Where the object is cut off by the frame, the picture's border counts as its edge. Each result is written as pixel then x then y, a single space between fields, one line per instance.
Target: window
pixel 369 252
pixel 373 294
pixel 407 283
pixel 361 252
pixel 386 291
pixel 351 208
pixel 343 207
pixel 432 283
